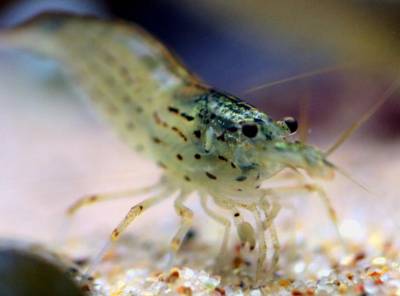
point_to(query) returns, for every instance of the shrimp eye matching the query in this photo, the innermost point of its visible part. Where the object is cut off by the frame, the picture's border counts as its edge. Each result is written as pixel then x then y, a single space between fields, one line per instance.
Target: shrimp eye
pixel 250 130
pixel 291 123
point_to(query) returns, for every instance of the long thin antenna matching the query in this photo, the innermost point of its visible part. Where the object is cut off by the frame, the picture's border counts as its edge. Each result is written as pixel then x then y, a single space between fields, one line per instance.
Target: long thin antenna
pixel 349 177
pixel 356 125
pixel 297 77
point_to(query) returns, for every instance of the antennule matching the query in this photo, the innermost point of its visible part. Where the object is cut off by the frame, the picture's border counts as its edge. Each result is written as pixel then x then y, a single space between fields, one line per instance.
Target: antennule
pixel 356 125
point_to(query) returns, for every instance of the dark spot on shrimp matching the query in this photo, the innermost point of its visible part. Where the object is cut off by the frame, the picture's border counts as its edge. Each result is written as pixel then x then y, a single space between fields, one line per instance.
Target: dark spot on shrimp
pixel 236 215
pixel 157 140
pixel 158 120
pixel 187 117
pixel 211 176
pixel 268 137
pixel 197 156
pixel 161 165
pixel 233 165
pixel 222 158
pixel 241 178
pixel 173 110
pixel 190 235
pixel 115 233
pixel 73 270
pixel 179 157
pixel 187 178
pixel 197 133
pixel 179 132
pixel 93 198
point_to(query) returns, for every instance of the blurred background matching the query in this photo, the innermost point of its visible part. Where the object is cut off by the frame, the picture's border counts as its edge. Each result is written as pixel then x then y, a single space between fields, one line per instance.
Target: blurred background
pixel 54 149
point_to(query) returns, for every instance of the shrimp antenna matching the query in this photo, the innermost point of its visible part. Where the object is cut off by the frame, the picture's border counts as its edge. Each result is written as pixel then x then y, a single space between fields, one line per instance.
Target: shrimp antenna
pixel 356 125
pixel 298 77
pixel 349 177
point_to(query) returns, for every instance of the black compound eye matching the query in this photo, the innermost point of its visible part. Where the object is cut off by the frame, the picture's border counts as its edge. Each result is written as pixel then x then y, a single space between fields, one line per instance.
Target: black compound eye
pixel 291 123
pixel 250 130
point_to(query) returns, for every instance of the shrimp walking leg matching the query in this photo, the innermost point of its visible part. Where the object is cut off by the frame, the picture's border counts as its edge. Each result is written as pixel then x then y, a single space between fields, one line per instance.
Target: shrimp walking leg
pixel 246 232
pixel 92 199
pixel 133 213
pixel 275 247
pixel 222 220
pixel 262 245
pixel 136 211
pixel 307 189
pixel 270 212
pixel 186 216
pixel 244 229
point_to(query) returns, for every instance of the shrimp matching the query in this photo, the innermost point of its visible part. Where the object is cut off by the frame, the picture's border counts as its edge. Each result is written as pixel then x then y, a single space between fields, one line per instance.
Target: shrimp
pixel 206 141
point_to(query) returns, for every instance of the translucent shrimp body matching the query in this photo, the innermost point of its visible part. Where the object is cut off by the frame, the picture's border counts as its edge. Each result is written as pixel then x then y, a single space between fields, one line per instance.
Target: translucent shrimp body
pixel 205 141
